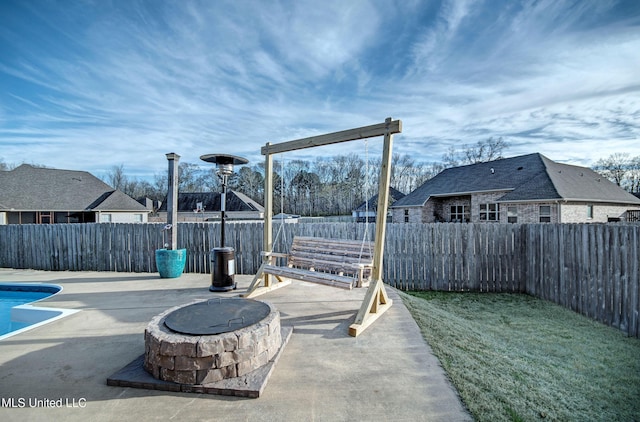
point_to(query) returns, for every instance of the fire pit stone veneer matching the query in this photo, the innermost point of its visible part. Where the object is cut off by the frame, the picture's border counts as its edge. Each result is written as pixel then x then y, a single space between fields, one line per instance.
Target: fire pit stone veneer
pixel 203 359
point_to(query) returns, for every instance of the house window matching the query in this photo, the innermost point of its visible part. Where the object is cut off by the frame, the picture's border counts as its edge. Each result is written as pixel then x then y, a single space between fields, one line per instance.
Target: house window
pixel 406 216
pixel 589 211
pixel 137 218
pixel 489 212
pixel 545 213
pixel 22 218
pixel 459 213
pixel 105 218
pixel 512 214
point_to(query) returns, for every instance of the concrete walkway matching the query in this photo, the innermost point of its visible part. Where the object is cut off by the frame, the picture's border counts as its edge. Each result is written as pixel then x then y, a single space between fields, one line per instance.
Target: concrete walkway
pixel 387 373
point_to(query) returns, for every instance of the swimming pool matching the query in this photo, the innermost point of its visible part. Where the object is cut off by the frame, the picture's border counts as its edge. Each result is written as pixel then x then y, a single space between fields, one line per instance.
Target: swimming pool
pixel 16 312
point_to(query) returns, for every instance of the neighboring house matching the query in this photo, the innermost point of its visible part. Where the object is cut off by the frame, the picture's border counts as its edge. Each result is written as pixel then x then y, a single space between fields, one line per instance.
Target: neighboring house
pixel 525 189
pixel 368 209
pixel 34 195
pixel 149 204
pixel 205 206
pixel 634 215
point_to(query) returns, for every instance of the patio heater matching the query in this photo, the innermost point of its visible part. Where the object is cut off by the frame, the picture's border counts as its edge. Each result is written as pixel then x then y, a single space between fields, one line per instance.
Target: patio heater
pixel 223 258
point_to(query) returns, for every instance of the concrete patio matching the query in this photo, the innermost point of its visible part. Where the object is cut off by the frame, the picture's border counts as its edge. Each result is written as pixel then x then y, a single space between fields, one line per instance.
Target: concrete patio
pixel 387 373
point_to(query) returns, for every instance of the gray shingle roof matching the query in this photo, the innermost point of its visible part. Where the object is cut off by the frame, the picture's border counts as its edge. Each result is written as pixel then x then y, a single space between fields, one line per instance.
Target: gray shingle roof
pixel 28 188
pixel 531 177
pixel 236 201
pixel 372 203
pixel 575 183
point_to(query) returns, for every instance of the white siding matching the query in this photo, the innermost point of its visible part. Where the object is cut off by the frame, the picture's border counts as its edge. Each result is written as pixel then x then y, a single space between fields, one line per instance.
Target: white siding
pixel 576 212
pixel 122 217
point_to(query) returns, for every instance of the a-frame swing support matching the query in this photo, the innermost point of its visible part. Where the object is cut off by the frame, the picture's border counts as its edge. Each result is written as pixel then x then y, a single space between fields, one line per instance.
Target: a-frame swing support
pixel 376 301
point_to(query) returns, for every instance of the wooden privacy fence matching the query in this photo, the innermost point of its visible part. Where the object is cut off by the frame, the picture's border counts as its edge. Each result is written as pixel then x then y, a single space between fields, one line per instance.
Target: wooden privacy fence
pixel 592 269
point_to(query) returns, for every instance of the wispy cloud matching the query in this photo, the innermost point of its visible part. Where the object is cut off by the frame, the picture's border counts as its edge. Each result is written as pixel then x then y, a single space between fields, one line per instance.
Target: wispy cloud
pixel 98 84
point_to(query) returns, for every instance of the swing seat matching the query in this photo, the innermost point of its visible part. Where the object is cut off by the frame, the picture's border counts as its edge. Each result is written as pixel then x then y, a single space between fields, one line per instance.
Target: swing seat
pixel 338 263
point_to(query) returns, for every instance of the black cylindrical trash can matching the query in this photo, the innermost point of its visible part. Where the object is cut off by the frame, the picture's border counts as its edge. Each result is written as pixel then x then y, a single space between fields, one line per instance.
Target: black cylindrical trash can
pixel 223 269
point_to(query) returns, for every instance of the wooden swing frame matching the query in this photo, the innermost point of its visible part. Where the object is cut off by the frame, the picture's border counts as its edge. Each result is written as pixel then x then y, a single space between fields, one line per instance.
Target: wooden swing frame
pixel 376 301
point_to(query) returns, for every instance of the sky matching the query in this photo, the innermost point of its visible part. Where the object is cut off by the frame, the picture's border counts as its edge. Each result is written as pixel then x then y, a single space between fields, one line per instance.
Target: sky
pixel 91 85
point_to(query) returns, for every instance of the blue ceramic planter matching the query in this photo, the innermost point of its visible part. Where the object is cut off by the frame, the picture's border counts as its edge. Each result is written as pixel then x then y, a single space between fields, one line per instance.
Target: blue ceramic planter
pixel 170 262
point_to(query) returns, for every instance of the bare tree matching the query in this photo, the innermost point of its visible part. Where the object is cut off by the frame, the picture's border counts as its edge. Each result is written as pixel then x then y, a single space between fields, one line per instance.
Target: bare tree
pixel 407 174
pixel 621 169
pixel 481 152
pixel 250 182
pixel 116 177
pixel 303 186
pixel 430 170
pixel 402 172
pixel 141 189
pixel 161 185
pixel 188 175
pixel 613 167
pixel 451 158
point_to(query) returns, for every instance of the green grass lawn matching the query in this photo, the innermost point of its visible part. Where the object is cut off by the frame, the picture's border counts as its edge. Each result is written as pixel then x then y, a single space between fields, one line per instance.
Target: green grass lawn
pixel 515 357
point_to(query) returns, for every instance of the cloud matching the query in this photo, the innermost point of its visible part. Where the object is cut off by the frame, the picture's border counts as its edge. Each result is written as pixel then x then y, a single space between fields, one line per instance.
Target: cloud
pixel 135 80
pixel 434 42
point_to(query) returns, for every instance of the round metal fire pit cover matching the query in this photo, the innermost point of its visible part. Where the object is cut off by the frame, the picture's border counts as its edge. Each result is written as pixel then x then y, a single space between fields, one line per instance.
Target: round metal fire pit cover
pixel 216 316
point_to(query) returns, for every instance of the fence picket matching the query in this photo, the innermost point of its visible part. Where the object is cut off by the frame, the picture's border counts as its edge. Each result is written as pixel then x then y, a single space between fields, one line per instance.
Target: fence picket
pixel 634 291
pixel 592 269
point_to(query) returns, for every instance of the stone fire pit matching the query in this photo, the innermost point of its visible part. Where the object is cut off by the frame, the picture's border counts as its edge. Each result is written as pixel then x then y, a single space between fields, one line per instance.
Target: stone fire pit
pixel 202 359
pixel 217 346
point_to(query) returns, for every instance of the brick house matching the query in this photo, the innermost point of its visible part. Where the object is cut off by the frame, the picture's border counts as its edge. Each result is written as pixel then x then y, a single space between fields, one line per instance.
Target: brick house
pixel 35 195
pixel 525 189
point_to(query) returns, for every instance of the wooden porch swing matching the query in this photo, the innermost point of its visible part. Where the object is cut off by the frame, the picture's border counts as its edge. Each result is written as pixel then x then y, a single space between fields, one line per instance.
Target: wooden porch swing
pixel 330 261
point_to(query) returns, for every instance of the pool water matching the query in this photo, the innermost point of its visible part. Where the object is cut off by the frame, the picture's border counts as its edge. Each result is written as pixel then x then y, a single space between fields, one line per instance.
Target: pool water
pixel 11 298
pixel 18 312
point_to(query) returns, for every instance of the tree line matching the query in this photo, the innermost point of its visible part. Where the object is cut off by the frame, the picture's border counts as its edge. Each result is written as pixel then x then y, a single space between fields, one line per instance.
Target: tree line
pixel 324 186
pixel 336 185
pixel 622 169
